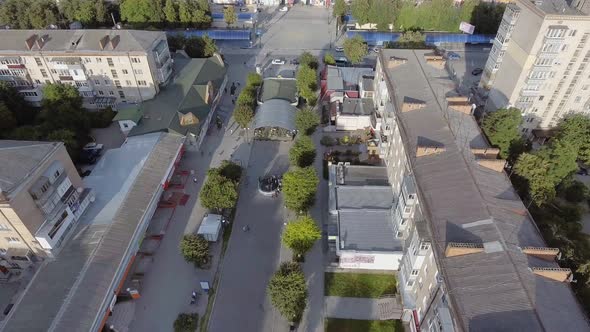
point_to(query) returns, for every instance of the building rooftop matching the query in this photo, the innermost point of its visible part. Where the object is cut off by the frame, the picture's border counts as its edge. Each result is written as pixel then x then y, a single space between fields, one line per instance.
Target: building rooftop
pixel 79 41
pixel 465 202
pixel 275 113
pixel 131 112
pixel 71 292
pixel 189 94
pixel 364 197
pixel 20 159
pixel 357 106
pixel 555 7
pixel 278 88
pixel 367 230
pixel 357 175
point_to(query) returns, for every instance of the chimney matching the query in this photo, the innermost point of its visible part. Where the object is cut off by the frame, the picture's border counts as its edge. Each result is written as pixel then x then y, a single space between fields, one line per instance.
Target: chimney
pixel 460 107
pixel 485 153
pixel 548 254
pixel 493 164
pixel 115 41
pixel 103 42
pixel 395 61
pixel 460 249
pixel 435 60
pixel 457 99
pixel 429 150
pixel 411 104
pixel 31 41
pixel 554 273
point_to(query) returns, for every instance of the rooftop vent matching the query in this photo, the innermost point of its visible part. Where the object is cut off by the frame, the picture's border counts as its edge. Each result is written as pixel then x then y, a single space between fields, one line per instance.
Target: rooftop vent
pixel 545 253
pixel 395 61
pixel 103 42
pixel 554 273
pixel 485 153
pixel 460 249
pixel 411 104
pixel 429 150
pixel 493 164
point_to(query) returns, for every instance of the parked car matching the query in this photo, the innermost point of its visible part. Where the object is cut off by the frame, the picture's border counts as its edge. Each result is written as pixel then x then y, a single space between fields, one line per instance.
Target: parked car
pixel 284 9
pixel 476 71
pixel 278 61
pixel 243 9
pixel 295 61
pixel 453 56
pixel 93 146
pixel 375 49
pixel 339 49
pixel 89 156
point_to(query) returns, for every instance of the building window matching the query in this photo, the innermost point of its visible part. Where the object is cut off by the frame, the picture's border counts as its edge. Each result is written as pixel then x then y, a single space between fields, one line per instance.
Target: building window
pixel 135 60
pixel 578 99
pixel 99 60
pixel 128 82
pixel 114 73
pixel 38 81
pixel 38 61
pixel 125 125
pixel 97 82
pixel 125 72
pixel 138 71
pixel 100 92
pixel 415 272
pixel 572 33
pixel 424 246
pixel 117 83
pixel 541 98
pixel 4 227
pixel 44 73
pixel 141 83
pixel 410 283
pixel 111 93
pixel 110 62
pixel 2 251
pixel 121 94
pixel 12 239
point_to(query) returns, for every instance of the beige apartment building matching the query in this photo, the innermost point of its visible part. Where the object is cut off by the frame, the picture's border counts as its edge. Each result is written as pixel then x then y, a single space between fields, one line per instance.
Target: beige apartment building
pixel 107 66
pixel 539 62
pixel 41 199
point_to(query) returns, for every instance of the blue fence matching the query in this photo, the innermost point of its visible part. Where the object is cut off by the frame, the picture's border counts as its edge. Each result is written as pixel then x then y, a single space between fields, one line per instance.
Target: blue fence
pixel 378 38
pixel 241 16
pixel 216 34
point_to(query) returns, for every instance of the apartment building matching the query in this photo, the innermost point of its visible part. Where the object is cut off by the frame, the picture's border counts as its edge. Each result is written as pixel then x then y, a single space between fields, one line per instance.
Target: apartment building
pixel 41 198
pixel 107 66
pixel 540 62
pixel 473 259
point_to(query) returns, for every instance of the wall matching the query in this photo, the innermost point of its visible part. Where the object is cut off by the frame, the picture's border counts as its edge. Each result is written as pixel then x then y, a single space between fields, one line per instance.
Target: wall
pixel 369 260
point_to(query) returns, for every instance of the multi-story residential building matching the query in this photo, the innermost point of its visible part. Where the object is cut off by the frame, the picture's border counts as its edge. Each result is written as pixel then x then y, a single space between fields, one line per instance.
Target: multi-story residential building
pixel 539 62
pixel 41 197
pixel 473 258
pixel 107 66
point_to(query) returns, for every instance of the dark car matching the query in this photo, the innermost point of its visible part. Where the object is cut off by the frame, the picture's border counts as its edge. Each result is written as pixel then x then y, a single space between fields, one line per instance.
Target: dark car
pixel 89 156
pixel 476 71
pixel 295 62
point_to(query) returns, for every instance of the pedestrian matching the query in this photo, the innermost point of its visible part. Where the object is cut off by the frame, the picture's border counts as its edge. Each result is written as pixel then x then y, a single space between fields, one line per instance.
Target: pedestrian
pixel 233 101
pixel 225 90
pixel 195 179
pixel 246 228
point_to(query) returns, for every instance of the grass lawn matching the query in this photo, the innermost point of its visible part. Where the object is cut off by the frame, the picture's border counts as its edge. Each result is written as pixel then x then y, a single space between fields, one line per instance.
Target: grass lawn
pixel 353 325
pixel 359 284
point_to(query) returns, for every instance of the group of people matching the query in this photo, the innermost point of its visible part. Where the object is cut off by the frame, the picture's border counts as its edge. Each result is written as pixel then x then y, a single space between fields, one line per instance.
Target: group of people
pixel 276 182
pixel 233 91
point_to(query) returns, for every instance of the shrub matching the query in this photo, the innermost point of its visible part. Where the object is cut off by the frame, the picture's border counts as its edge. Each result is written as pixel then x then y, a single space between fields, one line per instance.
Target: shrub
pixel 253 79
pixel 303 152
pixel 186 322
pixel 328 141
pixel 306 121
pixel 195 249
pixel 329 59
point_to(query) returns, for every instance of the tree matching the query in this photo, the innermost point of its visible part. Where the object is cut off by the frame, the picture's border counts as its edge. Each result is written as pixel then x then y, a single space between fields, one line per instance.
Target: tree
pixel 68 137
pixel 306 120
pixel 302 153
pixel 253 79
pixel 288 291
pixel 575 130
pixel 535 170
pixel 360 10
pixel 170 12
pixel 195 249
pixel 229 15
pixel 86 12
pixel 14 13
pixel 243 114
pixel 300 186
pixel 301 234
pixel 382 13
pixel 42 13
pixel 339 9
pixel 501 128
pixel 55 94
pixel 7 120
pixel 101 11
pixel 306 82
pixel 229 170
pixel 307 59
pixel 16 103
pixel 218 193
pixel 142 11
pixel 486 17
pixel 186 322
pixel 209 47
pixel 355 49
pixel 247 96
pixel 329 59
pixel 576 192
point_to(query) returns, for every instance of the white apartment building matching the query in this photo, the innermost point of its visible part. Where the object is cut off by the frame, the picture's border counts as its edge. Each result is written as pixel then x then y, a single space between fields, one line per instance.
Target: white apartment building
pixel 539 62
pixel 107 66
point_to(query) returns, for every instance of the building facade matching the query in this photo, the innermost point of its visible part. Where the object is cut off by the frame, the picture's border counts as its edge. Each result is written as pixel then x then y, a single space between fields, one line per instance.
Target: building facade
pixel 108 67
pixel 41 197
pixel 539 62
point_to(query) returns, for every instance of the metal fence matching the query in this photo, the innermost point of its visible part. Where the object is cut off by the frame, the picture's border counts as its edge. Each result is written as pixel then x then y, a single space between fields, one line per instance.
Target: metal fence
pixel 433 38
pixel 215 34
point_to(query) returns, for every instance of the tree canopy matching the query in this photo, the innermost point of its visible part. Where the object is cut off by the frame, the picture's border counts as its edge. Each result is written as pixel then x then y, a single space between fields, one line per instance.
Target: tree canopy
pixel 329 59
pixel 355 49
pixel 199 47
pixel 288 291
pixel 306 82
pixel 308 59
pixel 501 128
pixel 575 130
pixel 253 79
pixel 301 234
pixel 218 192
pixel 186 322
pixel 243 114
pixel 339 9
pixel 29 14
pixel 195 249
pixel 306 120
pixel 360 10
pixel 229 15
pixel 299 187
pixel 171 12
pixel 88 12
pixel 302 153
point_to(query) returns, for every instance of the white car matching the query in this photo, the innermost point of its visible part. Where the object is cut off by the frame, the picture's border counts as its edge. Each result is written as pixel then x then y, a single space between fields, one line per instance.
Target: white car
pixel 339 49
pixel 93 146
pixel 284 9
pixel 278 62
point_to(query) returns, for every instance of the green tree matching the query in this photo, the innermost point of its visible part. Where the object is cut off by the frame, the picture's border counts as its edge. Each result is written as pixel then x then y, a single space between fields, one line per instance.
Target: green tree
pixel 501 128
pixel 42 13
pixel 229 170
pixel 218 193
pixel 288 291
pixel 382 13
pixel 86 12
pixel 300 186
pixel 141 11
pixel 209 47
pixel 195 249
pixel 301 234
pixel 253 79
pixel 355 49
pixel 302 153
pixel 55 94
pixel 16 103
pixel 185 11
pixel 177 41
pixel 26 133
pixel 186 322
pixel 68 137
pixel 329 59
pixel 486 17
pixel 535 170
pixel 576 192
pixel 307 83
pixel 360 10
pixel 170 12
pixel 339 9
pixel 243 115
pixel 247 96
pixel 575 130
pixel 306 120
pixel 101 11
pixel 7 120
pixel 15 13
pixel 561 156
pixel 307 59
pixel 229 15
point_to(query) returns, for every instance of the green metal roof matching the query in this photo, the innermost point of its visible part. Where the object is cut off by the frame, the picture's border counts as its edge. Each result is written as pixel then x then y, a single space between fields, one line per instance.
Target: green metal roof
pixel 279 88
pixel 132 113
pixel 185 94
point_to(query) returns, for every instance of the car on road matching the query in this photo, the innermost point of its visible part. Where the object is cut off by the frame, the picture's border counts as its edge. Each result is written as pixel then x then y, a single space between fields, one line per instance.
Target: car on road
pixel 93 146
pixel 339 49
pixel 89 156
pixel 243 9
pixel 278 61
pixel 453 56
pixel 295 61
pixel 284 9
pixel 476 71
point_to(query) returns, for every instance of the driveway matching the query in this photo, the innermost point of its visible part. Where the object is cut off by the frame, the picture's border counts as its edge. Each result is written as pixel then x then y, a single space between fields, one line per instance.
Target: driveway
pixel 241 303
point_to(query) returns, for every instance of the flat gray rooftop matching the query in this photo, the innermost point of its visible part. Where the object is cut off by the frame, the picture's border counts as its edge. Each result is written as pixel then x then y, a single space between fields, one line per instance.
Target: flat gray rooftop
pixel 357 106
pixel 364 197
pixel 69 293
pixel 365 175
pixel 367 230
pixel 465 202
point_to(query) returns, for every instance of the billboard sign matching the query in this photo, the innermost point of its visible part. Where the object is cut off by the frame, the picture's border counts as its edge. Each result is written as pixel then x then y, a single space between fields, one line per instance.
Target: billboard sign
pixel 466 27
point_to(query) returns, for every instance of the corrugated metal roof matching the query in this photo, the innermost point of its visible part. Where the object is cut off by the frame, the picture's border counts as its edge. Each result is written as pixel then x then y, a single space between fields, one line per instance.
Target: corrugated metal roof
pixel 364 197
pixel 275 113
pixel 493 291
pixel 367 230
